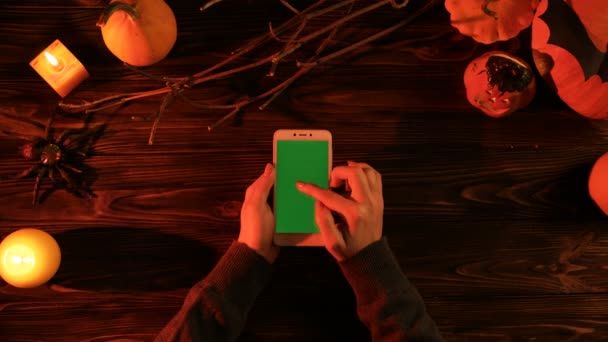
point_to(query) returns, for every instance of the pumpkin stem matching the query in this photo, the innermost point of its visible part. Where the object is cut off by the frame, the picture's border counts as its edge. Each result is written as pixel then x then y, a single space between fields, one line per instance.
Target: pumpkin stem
pixel 113 7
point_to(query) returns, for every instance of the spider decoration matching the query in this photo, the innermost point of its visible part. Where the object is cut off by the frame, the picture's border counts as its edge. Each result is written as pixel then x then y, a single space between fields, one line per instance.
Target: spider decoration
pixel 59 158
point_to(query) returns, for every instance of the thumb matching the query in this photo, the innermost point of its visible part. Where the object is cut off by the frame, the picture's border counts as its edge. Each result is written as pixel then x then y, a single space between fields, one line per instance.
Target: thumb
pixel 333 239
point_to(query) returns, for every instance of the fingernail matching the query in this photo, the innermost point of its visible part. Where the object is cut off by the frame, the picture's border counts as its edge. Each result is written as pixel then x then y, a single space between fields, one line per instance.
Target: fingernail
pixel 300 185
pixel 268 169
pixel 350 162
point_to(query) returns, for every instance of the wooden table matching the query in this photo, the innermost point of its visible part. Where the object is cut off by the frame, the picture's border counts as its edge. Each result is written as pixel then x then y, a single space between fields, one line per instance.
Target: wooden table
pixel 490 219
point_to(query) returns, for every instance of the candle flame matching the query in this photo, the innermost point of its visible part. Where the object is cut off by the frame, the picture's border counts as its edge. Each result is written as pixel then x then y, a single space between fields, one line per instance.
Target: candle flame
pixel 15 259
pixel 51 59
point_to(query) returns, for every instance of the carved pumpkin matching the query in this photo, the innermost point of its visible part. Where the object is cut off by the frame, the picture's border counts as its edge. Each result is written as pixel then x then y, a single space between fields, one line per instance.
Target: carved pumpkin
pixel 598 183
pixel 569 48
pixel 488 21
pixel 138 32
pixel 498 83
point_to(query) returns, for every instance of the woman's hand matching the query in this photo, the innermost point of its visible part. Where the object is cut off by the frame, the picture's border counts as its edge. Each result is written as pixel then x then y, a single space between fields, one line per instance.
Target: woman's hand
pixel 363 211
pixel 257 219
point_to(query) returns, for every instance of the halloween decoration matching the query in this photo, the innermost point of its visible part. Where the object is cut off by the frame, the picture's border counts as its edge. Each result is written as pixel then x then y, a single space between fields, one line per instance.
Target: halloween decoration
pixel 30 258
pixel 498 83
pixel 569 51
pixel 271 49
pixel 138 32
pixel 598 183
pixel 58 158
pixel 488 21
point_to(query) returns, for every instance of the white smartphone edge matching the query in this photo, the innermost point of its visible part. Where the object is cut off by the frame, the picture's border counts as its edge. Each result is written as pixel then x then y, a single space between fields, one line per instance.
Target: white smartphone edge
pixel 291 239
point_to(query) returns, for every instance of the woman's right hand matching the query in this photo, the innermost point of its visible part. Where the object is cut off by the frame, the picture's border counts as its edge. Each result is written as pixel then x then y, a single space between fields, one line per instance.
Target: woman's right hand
pixel 363 210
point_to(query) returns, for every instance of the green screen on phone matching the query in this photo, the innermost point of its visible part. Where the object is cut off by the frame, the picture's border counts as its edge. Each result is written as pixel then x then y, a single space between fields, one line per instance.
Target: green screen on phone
pixel 299 160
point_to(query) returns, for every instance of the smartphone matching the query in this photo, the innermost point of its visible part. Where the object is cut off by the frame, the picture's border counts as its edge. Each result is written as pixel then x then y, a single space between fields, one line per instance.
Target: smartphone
pixel 299 155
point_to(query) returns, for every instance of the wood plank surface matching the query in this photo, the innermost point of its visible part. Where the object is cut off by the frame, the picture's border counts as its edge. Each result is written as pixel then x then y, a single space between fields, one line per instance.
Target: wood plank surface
pixel 490 219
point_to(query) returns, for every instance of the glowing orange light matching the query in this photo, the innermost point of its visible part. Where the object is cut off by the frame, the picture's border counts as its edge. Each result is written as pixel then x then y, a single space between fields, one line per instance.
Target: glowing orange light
pixel 54 62
pixel 59 68
pixel 29 258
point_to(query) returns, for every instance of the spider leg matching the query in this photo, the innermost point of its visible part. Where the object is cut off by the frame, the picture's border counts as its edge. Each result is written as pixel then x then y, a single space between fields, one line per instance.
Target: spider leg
pixel 66 176
pixel 79 190
pixel 47 130
pixel 53 176
pixel 70 167
pixel 61 138
pixel 29 171
pixel 39 178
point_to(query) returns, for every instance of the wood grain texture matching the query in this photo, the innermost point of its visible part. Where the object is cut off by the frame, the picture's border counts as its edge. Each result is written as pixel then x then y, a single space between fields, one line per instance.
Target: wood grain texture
pixel 490 219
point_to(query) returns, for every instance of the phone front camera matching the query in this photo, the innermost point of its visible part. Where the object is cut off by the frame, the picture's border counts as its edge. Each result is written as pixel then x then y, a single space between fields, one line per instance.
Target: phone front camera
pixel 311 134
pixel 294 134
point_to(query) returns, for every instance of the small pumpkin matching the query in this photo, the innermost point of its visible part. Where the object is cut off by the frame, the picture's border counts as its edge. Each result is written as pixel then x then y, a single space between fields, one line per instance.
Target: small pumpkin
pixel 569 43
pixel 138 32
pixel 598 183
pixel 488 21
pixel 498 83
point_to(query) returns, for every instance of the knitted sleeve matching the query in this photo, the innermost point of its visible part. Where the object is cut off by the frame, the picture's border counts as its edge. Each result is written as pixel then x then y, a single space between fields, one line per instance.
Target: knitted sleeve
pixel 216 308
pixel 387 303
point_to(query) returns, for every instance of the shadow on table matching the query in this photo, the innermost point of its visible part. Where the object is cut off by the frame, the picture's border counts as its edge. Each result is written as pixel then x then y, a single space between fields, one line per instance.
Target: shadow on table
pixel 127 259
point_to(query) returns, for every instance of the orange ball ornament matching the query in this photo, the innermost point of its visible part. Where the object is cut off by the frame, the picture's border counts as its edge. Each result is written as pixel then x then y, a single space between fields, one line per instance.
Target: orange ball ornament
pixel 138 32
pixel 598 183
pixel 489 21
pixel 29 258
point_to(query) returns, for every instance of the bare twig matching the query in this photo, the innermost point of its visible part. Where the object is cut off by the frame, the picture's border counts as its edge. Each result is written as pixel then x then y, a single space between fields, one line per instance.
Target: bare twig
pixel 90 107
pixel 264 38
pixel 224 118
pixel 209 4
pixel 235 110
pixel 345 19
pixel 175 86
pixel 281 88
pixel 291 8
pixel 374 37
pixel 331 35
pixel 195 104
pixel 320 49
pixel 401 5
pixel 198 78
pixel 166 101
pixel 270 92
pixel 288 45
pixel 274 35
pixel 129 97
pixel 154 77
pixel 326 10
pixel 229 72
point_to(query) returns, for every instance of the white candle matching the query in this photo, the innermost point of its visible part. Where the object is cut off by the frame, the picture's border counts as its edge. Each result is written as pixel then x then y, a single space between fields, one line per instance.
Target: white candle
pixel 29 258
pixel 59 68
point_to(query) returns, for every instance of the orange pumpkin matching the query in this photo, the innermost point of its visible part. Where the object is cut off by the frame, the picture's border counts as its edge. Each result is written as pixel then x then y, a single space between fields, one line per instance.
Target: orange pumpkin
pixel 569 44
pixel 598 183
pixel 138 32
pixel 498 83
pixel 488 21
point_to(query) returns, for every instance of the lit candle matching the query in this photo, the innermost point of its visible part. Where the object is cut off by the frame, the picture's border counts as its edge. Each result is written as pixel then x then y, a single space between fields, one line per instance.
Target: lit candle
pixel 29 258
pixel 59 68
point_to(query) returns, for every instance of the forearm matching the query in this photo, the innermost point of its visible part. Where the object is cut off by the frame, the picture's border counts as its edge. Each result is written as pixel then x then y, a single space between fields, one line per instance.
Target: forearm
pixel 387 303
pixel 216 308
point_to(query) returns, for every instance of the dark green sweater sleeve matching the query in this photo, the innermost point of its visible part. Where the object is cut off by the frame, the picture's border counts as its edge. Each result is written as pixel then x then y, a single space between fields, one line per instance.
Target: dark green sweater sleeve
pixel 387 303
pixel 216 308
